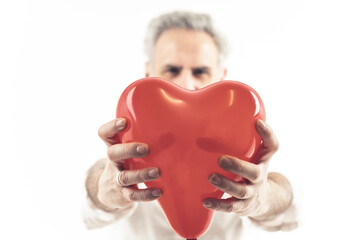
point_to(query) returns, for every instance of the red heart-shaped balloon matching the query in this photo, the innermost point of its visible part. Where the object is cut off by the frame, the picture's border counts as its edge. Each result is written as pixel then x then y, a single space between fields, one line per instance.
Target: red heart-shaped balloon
pixel 187 131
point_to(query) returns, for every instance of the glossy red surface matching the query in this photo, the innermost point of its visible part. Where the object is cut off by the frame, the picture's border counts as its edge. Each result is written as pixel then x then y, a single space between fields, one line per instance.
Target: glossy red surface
pixel 187 131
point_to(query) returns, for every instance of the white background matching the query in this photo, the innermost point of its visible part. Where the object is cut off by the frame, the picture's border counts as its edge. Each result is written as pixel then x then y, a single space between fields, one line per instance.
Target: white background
pixel 64 64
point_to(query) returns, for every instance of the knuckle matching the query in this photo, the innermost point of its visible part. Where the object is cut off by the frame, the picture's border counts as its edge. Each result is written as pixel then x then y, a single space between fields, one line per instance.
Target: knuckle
pixel 240 168
pixel 142 175
pixel 104 130
pixel 126 150
pixel 129 150
pixel 115 152
pixel 120 151
pixel 111 152
pixel 133 196
pixel 124 178
pixel 256 174
pixel 216 206
pixel 242 192
pixel 141 195
pixel 145 195
pixel 226 186
pixel 228 207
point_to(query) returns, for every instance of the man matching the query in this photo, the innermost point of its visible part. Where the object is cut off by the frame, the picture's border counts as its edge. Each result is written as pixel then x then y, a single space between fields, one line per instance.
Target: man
pixel 184 48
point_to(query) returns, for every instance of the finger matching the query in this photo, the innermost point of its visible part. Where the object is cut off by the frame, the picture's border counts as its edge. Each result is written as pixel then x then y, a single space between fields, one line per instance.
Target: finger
pixel 108 131
pixel 141 195
pixel 131 177
pixel 270 142
pixel 237 190
pixel 226 205
pixel 122 151
pixel 252 172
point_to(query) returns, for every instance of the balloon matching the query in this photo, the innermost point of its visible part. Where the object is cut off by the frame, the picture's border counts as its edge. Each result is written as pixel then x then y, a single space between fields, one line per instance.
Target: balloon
pixel 187 131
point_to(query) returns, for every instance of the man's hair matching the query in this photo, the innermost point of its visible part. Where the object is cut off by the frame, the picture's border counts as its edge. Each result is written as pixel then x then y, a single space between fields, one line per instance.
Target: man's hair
pixel 183 20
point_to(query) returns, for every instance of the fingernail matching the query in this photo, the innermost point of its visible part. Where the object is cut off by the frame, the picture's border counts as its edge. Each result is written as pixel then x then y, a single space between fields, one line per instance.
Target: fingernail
pixel 142 150
pixel 215 179
pixel 153 173
pixel 207 203
pixel 156 192
pixel 261 124
pixel 225 162
pixel 120 123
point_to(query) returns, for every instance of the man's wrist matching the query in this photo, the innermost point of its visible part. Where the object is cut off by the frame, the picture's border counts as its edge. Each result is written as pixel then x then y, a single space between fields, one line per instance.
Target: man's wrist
pixel 282 221
pixel 92 186
pixel 279 198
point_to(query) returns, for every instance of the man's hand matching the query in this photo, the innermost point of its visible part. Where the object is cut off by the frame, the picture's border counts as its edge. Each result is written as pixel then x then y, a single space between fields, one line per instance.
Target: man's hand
pixel 262 196
pixel 105 191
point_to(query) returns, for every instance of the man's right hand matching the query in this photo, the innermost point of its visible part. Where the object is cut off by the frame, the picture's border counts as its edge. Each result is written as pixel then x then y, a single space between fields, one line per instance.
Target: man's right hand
pixel 111 194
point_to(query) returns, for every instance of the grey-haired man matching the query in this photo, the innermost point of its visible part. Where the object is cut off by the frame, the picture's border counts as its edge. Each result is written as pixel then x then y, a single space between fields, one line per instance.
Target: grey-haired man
pixel 184 48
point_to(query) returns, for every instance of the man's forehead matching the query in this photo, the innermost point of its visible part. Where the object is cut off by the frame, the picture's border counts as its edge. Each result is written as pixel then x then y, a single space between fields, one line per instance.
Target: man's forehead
pixel 185 47
pixel 181 39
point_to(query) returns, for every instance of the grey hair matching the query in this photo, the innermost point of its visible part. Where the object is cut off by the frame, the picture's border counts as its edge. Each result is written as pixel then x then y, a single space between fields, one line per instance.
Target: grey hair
pixel 183 20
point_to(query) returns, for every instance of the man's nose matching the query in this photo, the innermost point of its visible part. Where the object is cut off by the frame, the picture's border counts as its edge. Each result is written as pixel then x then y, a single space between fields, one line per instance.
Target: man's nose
pixel 188 81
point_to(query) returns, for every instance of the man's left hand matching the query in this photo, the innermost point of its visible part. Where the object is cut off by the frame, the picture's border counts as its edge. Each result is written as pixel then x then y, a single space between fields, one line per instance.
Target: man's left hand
pixel 252 197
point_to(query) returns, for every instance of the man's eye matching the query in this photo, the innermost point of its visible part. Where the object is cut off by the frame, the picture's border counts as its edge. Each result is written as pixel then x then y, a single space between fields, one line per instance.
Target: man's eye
pixel 173 70
pixel 198 72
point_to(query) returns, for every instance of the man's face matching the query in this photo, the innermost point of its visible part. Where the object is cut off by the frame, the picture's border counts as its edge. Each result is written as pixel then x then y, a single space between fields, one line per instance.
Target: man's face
pixel 187 58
